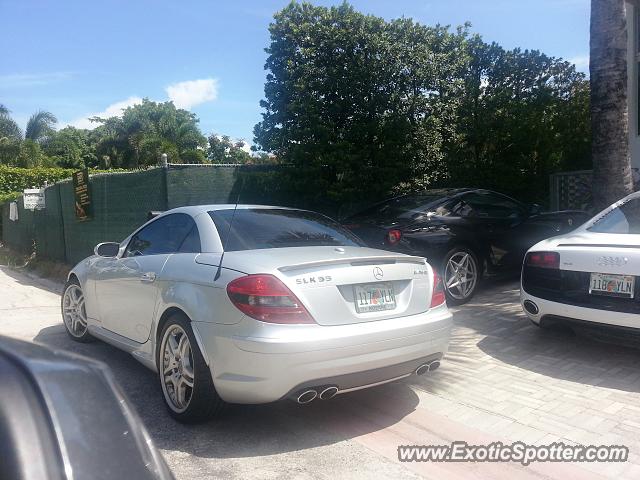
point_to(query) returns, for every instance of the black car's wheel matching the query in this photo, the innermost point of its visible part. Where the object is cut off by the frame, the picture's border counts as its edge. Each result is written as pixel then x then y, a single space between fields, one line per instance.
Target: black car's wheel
pixel 74 314
pixel 461 275
pixel 185 378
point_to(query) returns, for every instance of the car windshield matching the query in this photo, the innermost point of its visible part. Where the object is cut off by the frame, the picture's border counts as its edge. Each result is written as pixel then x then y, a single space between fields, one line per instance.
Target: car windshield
pixel 410 207
pixel 622 219
pixel 259 228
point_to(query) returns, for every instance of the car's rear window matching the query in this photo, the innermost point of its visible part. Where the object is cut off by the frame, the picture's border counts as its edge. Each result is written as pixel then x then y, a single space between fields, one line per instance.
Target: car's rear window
pixel 259 228
pixel 407 208
pixel 622 219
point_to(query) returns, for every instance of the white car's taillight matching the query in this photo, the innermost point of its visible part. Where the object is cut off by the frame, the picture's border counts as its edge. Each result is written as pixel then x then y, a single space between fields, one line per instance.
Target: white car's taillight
pixel 543 260
pixel 265 298
pixel 437 295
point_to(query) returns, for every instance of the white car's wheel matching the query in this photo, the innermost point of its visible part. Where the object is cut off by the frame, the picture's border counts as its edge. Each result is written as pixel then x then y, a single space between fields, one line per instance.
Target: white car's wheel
pixel 185 378
pixel 460 275
pixel 74 313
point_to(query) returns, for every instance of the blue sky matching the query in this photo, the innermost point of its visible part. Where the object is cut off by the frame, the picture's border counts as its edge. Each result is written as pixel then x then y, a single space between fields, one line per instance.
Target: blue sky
pixel 79 58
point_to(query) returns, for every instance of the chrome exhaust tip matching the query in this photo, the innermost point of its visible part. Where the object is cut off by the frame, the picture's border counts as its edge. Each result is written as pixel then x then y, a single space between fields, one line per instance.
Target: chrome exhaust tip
pixel 306 396
pixel 328 393
pixel 427 367
pixel 433 365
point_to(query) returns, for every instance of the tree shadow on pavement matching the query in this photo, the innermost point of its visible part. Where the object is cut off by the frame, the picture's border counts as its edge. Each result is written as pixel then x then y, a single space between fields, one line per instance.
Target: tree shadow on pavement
pixel 493 327
pixel 246 430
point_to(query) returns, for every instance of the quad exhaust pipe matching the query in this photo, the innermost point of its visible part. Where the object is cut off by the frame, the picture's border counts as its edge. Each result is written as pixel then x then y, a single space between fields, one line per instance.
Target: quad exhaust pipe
pixel 306 396
pixel 427 367
pixel 327 392
pixel 310 394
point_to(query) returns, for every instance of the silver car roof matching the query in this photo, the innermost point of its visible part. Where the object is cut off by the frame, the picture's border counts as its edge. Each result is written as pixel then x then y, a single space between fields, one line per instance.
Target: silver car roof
pixel 194 210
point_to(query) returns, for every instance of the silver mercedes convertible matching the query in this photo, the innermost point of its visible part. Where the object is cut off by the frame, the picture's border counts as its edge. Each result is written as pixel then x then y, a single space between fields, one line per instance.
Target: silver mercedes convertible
pixel 252 304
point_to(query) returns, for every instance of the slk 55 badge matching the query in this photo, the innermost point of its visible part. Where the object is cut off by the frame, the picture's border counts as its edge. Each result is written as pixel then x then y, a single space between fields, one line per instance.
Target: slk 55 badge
pixel 310 280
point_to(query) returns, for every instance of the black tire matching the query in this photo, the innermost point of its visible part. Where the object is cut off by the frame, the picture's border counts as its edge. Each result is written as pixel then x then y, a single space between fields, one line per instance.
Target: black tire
pixel 70 320
pixel 455 296
pixel 204 402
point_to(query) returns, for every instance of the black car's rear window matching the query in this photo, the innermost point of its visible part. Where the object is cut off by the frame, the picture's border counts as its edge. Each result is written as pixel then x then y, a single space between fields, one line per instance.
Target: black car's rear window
pixel 409 207
pixel 258 228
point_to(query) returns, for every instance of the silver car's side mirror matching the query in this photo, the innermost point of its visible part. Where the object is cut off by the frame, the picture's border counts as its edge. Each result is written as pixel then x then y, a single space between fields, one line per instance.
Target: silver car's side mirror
pixel 107 249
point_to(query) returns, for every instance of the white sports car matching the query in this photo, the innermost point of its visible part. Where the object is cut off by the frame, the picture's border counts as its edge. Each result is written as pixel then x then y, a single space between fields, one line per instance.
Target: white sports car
pixel 589 276
pixel 252 304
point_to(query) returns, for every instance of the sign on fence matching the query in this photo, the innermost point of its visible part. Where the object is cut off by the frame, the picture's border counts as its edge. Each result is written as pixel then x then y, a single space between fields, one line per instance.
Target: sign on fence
pixel 33 198
pixel 82 194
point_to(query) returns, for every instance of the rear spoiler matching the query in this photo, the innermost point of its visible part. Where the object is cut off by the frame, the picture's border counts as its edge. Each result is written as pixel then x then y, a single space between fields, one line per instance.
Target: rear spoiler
pixel 153 214
pixel 358 261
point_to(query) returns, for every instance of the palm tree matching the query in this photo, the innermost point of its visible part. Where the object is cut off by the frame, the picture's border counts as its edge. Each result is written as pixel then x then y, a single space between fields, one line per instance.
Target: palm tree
pixel 609 112
pixel 24 150
pixel 40 126
pixel 9 129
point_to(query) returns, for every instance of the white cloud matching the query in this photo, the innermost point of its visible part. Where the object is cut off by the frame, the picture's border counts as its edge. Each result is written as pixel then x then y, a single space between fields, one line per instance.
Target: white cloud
pixel 113 110
pixel 581 62
pixel 32 79
pixel 193 92
pixel 183 95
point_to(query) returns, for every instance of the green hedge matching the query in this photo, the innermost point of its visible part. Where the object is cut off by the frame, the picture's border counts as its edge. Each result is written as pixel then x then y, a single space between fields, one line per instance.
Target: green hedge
pixel 9 196
pixel 16 179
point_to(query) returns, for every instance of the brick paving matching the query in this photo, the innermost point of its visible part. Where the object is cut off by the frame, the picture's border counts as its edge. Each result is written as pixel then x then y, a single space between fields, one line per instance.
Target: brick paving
pixel 508 378
pixel 502 380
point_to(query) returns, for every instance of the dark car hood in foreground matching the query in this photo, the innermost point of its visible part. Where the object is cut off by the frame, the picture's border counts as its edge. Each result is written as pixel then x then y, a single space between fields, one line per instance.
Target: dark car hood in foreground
pixel 64 416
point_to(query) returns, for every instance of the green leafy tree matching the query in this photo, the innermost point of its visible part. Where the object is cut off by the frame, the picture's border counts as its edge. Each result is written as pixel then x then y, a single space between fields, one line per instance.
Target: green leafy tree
pixel 222 149
pixel 70 147
pixel 10 137
pixel 40 126
pixel 24 150
pixel 364 107
pixel 147 130
pixel 523 116
pixel 30 155
pixel 9 129
pixel 358 104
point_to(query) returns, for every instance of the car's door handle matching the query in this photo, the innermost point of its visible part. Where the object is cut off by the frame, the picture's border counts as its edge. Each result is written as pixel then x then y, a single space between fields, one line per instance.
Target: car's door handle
pixel 148 277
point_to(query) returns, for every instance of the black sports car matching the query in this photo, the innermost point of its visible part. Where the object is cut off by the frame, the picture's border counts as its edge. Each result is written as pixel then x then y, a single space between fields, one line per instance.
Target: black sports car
pixel 464 232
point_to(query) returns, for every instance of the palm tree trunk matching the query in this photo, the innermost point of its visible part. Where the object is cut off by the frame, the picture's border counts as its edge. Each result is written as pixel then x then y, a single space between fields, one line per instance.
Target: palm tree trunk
pixel 609 112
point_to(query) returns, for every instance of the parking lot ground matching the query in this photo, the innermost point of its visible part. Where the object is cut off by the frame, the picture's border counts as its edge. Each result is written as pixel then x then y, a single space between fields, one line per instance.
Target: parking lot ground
pixel 502 380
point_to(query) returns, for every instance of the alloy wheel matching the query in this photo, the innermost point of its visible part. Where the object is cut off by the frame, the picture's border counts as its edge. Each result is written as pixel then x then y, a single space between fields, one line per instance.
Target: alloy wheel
pixel 176 373
pixel 73 311
pixel 461 275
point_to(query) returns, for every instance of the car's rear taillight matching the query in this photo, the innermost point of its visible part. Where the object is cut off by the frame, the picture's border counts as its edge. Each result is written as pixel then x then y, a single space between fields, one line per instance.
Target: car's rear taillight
pixel 543 260
pixel 437 295
pixel 266 298
pixel 394 236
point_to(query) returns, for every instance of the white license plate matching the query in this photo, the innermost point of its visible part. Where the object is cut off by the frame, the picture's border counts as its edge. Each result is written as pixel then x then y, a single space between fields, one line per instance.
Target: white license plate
pixel 374 297
pixel 614 285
